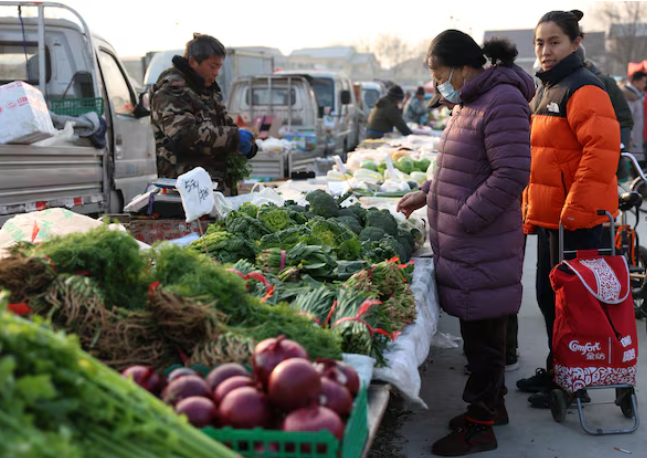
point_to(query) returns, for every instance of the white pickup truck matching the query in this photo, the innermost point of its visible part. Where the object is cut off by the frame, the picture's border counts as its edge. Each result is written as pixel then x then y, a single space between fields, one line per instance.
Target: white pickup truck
pixel 68 63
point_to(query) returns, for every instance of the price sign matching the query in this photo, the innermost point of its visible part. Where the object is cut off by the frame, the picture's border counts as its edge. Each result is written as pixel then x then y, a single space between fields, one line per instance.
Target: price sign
pixel 195 189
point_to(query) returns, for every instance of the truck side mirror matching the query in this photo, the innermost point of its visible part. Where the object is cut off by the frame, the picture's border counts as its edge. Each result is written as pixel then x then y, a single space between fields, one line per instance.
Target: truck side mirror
pixel 143 107
pixel 345 97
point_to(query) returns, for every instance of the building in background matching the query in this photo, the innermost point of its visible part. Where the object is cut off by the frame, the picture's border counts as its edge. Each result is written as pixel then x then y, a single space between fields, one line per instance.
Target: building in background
pixel 358 66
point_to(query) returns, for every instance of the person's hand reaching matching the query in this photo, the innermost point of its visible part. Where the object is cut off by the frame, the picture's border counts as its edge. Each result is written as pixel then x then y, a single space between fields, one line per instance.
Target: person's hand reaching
pixel 412 202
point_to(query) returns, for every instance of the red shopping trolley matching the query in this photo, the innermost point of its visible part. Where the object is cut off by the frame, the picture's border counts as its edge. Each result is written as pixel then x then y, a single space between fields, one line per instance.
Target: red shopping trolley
pixel 595 344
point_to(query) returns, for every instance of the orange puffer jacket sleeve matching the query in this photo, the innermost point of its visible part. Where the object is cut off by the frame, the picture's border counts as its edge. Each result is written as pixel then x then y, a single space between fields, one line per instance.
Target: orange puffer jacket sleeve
pixel 592 119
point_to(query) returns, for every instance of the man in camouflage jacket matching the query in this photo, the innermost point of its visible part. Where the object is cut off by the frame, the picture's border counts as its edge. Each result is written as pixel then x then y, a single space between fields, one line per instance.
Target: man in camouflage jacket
pixel 189 121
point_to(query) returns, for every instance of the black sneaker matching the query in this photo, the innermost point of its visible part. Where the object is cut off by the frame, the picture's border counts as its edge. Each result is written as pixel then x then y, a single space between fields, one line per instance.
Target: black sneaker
pixel 538 382
pixel 511 363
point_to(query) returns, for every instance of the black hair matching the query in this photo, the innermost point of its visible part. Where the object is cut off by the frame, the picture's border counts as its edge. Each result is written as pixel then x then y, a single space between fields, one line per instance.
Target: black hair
pixel 638 76
pixel 568 21
pixel 202 47
pixel 453 48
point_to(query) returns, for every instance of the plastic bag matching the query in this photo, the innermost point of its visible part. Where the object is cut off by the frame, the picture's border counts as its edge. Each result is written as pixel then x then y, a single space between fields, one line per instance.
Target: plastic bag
pixel 63 137
pixel 362 364
pixel 259 196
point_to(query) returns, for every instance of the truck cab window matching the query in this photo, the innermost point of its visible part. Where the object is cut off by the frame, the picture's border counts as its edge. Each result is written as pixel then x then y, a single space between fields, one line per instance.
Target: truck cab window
pixel 325 90
pixel 116 85
pixel 16 66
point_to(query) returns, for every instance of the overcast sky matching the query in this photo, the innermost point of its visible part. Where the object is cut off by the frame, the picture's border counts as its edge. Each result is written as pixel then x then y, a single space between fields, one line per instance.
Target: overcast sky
pixel 135 27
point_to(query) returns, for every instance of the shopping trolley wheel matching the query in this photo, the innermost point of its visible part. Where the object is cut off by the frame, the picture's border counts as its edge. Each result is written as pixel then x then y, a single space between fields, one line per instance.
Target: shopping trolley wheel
pixel 624 398
pixel 558 405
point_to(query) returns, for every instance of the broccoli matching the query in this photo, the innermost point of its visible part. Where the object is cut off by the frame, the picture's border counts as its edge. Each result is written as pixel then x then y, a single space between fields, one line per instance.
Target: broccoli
pixel 406 238
pixel 382 219
pixel 322 204
pixel 245 226
pixel 351 223
pixel 275 219
pixel 358 211
pixel 384 249
pixel 285 239
pixel 372 234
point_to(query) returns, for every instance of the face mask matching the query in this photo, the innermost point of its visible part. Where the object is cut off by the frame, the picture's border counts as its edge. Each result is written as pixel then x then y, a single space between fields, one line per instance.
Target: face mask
pixel 448 92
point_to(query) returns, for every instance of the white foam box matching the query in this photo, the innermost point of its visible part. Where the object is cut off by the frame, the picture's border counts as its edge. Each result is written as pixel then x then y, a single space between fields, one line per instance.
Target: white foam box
pixel 24 116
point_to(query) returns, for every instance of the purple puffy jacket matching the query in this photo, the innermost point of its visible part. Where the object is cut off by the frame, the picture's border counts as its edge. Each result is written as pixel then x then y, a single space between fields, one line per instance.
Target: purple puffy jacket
pixel 473 201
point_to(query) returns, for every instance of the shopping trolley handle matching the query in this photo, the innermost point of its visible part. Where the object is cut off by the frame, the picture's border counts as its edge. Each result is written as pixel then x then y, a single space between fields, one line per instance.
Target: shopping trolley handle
pixel 612 250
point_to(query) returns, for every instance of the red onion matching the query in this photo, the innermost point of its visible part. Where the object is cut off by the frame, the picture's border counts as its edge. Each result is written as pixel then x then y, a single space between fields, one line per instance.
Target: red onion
pixel 201 412
pixel 230 385
pixel 336 397
pixel 179 373
pixel 223 372
pixel 339 372
pixel 146 377
pixel 294 384
pixel 314 419
pixel 186 387
pixel 270 352
pixel 244 408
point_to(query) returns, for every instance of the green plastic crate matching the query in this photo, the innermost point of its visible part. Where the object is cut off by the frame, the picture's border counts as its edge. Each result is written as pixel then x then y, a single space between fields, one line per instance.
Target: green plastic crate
pixel 279 444
pixel 76 107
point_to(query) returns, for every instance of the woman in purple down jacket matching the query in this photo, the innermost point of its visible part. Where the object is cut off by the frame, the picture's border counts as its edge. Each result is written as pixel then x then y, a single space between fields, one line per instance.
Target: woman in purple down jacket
pixel 474 212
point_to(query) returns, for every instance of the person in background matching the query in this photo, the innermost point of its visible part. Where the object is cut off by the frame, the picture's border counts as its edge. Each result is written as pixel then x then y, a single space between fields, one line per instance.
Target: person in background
pixel 189 120
pixel 474 215
pixel 387 114
pixel 634 91
pixel 416 109
pixel 620 106
pixel 575 152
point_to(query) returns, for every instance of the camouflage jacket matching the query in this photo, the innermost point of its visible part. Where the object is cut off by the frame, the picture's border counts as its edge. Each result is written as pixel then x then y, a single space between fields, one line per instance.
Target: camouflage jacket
pixel 190 124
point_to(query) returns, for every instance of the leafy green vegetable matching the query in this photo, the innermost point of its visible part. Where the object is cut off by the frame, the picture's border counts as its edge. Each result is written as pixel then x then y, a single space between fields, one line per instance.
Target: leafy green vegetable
pixel 57 401
pixel 335 235
pixel 110 256
pixel 286 238
pixel 225 247
pixel 275 219
pixel 249 209
pixel 322 204
pixel 243 225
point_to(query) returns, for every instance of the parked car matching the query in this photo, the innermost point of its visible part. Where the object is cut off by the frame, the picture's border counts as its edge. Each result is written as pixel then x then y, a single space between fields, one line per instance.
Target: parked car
pixel 237 63
pixel 72 65
pixel 290 104
pixel 338 104
pixel 372 91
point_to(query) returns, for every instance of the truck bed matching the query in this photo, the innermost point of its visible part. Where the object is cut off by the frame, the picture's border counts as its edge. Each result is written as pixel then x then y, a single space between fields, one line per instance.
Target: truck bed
pixel 35 178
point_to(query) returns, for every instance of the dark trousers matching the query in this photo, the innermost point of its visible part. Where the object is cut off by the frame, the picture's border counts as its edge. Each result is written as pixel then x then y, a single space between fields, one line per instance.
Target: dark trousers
pixel 512 342
pixel 485 347
pixel 547 258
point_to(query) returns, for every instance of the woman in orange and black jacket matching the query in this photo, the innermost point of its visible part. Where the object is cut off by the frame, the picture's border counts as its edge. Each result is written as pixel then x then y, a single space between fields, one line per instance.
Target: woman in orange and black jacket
pixel 575 148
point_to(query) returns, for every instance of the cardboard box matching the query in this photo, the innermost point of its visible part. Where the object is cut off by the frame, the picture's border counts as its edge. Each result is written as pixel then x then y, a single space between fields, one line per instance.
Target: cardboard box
pixel 24 116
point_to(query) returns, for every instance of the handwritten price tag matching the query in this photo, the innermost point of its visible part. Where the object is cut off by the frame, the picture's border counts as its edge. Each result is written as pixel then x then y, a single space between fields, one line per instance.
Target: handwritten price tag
pixel 196 193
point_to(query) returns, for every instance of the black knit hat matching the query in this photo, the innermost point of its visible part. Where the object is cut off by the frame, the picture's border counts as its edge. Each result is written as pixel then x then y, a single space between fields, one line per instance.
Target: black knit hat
pixel 420 90
pixel 396 93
